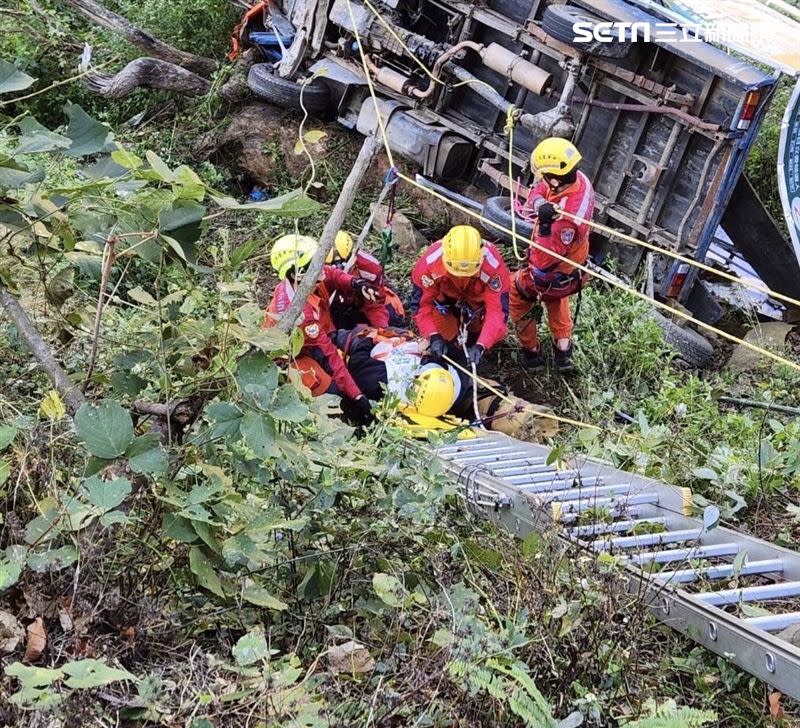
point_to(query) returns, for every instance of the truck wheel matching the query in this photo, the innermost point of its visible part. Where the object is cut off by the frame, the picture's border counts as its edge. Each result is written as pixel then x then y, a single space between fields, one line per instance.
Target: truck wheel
pixel 693 348
pixel 498 209
pixel 286 93
pixel 558 21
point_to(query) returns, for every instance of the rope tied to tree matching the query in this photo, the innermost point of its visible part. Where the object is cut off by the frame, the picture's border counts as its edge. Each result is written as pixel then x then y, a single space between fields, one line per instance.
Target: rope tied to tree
pixel 387 235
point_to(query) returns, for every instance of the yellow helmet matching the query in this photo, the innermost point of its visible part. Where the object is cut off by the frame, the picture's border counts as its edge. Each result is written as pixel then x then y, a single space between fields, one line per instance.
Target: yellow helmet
pixel 433 393
pixel 292 251
pixel 555 155
pixel 342 247
pixel 462 251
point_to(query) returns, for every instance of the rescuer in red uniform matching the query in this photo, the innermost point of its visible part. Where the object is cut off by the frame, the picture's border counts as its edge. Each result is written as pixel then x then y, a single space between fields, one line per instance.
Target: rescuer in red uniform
pixel 461 283
pixel 547 279
pixel 319 363
pixel 349 309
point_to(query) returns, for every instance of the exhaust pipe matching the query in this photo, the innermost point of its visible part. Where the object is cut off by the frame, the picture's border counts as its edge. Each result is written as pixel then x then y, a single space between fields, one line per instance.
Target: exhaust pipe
pixel 510 65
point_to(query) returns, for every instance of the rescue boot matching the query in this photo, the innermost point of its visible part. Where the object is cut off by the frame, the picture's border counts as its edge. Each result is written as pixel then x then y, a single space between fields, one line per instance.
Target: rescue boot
pixel 533 359
pixel 563 359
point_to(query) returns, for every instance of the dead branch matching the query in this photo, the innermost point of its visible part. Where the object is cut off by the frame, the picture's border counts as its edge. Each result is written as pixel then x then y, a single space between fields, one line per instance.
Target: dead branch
pixel 150 72
pixel 368 150
pixel 109 257
pixel 41 351
pixel 153 46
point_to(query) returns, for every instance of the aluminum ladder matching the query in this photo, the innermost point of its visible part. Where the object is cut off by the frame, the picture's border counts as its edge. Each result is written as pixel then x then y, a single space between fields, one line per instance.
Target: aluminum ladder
pixel 681 567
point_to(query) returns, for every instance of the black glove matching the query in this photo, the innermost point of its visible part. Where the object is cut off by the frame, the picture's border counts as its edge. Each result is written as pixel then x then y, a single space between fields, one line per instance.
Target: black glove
pixel 547 213
pixel 437 347
pixel 362 411
pixel 366 290
pixel 475 354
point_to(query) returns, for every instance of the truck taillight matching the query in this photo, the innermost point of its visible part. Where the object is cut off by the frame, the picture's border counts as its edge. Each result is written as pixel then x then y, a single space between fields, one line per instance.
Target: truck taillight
pixel 748 110
pixel 678 279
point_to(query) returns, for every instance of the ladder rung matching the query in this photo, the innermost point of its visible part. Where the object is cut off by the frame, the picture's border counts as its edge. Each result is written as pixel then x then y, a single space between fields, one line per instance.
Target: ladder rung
pixel 774 622
pixel 578 506
pixel 466 446
pixel 597 529
pixel 530 466
pixel 585 493
pixel 487 456
pixel 542 477
pixel 721 571
pixel 647 539
pixel 556 484
pixel 781 590
pixel 687 554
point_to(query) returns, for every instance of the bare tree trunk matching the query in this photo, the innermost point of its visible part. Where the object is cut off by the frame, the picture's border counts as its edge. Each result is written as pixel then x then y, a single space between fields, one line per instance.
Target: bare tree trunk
pixel 368 150
pixel 41 351
pixel 151 72
pixel 109 20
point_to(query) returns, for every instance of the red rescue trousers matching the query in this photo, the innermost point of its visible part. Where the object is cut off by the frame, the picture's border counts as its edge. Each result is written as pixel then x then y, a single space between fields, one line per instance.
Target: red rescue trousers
pixel 523 299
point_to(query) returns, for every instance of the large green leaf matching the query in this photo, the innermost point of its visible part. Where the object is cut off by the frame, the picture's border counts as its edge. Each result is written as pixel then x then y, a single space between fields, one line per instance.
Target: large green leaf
pixel 202 568
pixel 12 79
pixel 10 572
pixel 106 494
pixel 37 138
pixel 225 419
pixel 262 598
pixel 14 175
pixel 292 204
pixel 93 674
pixel 257 378
pixel 259 433
pixel 52 559
pixel 5 470
pixel 287 405
pixel 180 215
pixel 105 429
pixel 251 648
pixel 33 677
pixel 178 528
pixel 145 455
pixel 88 136
pixel 388 588
pixel 7 434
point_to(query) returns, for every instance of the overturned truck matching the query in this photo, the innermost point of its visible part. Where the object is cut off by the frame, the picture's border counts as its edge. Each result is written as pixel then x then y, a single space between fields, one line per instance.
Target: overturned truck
pixel 664 124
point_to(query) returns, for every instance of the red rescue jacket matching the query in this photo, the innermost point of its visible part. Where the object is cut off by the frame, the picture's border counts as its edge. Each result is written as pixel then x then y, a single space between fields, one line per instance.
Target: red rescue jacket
pixel 317 324
pixel 567 238
pixel 487 291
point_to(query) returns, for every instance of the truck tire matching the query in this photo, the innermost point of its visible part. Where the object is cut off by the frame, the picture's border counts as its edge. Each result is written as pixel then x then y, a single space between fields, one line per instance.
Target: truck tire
pixel 286 93
pixel 558 21
pixel 693 348
pixel 498 209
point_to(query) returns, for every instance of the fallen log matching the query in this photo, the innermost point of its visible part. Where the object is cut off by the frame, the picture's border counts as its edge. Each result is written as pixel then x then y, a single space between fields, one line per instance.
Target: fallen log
pixel 148 72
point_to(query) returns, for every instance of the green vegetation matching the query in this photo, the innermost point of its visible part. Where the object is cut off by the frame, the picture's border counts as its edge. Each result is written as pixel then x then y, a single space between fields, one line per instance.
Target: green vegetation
pixel 248 560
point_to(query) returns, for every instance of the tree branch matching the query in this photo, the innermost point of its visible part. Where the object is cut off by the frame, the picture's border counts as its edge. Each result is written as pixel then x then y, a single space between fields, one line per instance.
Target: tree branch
pixel 41 351
pixel 156 47
pixel 152 72
pixel 368 150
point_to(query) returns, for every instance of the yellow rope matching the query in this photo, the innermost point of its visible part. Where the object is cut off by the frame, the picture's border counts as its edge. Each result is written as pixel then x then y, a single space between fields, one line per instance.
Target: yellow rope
pixel 532 243
pixel 754 285
pixel 546 415
pixel 509 130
